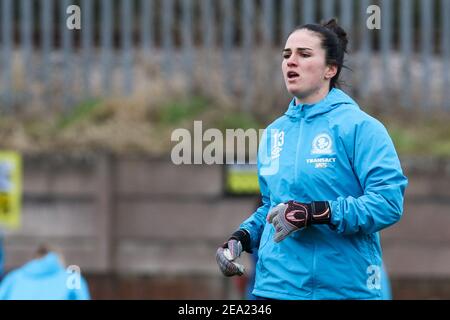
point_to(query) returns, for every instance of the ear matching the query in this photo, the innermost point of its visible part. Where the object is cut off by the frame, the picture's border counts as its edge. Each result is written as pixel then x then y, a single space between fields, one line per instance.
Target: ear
pixel 330 71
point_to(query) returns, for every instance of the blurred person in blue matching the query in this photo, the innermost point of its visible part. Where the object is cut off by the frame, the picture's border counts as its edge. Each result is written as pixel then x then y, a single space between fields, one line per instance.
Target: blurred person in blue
pixel 330 180
pixel 44 278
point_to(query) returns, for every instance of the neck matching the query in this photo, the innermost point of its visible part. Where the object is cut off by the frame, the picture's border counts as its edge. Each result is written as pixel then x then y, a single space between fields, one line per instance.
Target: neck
pixel 314 97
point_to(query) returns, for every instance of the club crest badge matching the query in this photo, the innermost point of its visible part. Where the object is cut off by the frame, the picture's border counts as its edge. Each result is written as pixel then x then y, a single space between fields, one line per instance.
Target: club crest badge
pixel 322 144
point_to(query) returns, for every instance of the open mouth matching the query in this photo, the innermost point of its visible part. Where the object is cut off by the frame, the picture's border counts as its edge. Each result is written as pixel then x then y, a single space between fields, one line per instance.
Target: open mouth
pixel 292 75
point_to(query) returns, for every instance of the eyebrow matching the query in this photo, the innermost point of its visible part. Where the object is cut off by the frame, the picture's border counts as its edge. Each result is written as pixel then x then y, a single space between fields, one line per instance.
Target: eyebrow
pixel 299 49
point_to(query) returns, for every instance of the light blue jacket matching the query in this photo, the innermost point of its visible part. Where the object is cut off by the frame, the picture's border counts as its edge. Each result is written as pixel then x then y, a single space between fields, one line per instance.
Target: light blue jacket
pixel 43 279
pixel 330 151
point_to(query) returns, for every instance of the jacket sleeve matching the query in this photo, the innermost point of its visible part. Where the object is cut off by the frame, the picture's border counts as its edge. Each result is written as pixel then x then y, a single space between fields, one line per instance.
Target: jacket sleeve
pixel 377 167
pixel 256 222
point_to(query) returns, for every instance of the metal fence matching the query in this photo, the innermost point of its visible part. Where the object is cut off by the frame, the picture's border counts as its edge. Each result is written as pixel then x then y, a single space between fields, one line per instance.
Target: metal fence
pixel 232 46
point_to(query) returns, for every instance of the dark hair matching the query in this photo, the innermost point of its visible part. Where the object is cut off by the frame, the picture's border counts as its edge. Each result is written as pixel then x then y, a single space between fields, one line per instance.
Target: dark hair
pixel 42 250
pixel 334 41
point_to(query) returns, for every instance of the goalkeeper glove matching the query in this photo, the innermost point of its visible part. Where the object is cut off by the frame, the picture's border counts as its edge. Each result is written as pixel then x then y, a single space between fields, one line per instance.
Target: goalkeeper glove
pixel 292 216
pixel 230 251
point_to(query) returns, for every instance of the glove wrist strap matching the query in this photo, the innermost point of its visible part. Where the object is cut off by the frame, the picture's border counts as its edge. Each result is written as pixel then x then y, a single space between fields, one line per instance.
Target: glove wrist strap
pixel 320 213
pixel 244 237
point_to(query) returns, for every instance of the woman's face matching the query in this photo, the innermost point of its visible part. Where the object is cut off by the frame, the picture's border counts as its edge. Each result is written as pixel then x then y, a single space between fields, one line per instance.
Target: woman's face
pixel 304 69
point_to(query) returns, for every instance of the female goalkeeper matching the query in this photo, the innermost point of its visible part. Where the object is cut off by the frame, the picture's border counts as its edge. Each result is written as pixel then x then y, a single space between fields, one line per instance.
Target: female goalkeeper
pixel 330 180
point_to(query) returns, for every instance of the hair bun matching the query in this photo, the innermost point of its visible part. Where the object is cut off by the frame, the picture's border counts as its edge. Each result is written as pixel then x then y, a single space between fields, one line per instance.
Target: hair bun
pixel 341 34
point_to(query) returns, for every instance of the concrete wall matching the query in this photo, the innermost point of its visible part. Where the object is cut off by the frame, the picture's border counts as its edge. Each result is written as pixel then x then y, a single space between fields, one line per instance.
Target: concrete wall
pixel 145 228
pixel 419 245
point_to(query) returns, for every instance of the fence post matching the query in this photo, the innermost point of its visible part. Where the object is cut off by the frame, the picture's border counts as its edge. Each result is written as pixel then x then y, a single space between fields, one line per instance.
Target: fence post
pixel 7 12
pixel 208 39
pixel 309 11
pixel 147 30
pixel 406 48
pixel 445 53
pixel 327 9
pixel 386 9
pixel 127 50
pixel 67 54
pixel 187 42
pixel 346 21
pixel 247 24
pixel 267 23
pixel 106 43
pixel 346 16
pixel 287 18
pixel 47 44
pixel 426 40
pixel 86 34
pixel 267 27
pixel 26 20
pixel 227 43
pixel 167 37
pixel 365 51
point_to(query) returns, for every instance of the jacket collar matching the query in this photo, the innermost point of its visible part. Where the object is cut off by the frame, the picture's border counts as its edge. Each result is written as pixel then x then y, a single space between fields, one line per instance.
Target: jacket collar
pixel 333 99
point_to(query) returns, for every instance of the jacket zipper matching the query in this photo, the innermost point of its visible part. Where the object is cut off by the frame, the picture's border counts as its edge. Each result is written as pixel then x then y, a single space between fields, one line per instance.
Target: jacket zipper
pixel 296 180
pixel 297 152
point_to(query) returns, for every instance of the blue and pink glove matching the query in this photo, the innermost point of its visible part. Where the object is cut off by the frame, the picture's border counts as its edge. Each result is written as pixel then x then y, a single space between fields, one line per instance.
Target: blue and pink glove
pixel 292 216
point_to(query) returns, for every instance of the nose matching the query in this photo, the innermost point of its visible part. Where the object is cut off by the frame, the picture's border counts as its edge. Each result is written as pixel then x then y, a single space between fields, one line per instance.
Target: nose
pixel 292 61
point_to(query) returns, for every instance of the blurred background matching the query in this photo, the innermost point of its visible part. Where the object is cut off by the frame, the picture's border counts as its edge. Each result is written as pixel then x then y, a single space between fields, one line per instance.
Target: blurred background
pixel 88 111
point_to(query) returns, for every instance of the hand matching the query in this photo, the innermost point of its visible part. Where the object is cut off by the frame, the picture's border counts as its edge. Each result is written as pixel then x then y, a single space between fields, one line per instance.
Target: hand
pixel 292 216
pixel 231 250
pixel 226 255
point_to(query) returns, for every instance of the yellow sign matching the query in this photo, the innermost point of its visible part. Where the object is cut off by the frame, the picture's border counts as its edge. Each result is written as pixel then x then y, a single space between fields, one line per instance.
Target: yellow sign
pixel 241 180
pixel 10 189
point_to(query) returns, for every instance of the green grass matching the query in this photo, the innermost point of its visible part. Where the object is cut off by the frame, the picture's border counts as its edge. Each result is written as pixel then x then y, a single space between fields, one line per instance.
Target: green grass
pixel 174 112
pixel 79 113
pixel 235 120
pixel 144 126
pixel 421 138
